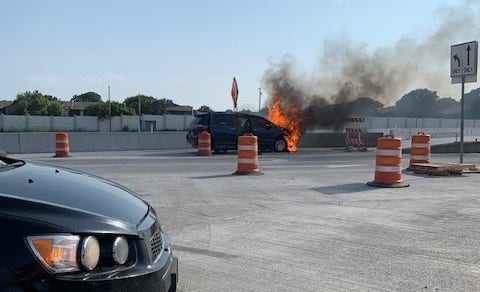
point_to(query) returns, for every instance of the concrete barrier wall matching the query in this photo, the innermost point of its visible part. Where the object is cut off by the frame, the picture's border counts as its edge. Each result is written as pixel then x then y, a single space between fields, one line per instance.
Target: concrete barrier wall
pixel 39 123
pixel 13 123
pixel 63 124
pixel 27 123
pixel 86 124
pixel 130 123
pixel 25 142
pixel 334 139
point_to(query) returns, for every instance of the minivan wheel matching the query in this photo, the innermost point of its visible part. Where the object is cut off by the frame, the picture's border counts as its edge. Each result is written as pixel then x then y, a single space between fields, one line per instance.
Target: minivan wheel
pixel 280 145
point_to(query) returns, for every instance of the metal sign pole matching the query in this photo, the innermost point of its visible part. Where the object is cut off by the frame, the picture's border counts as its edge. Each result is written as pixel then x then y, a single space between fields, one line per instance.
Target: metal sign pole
pixel 462 117
pixel 463 68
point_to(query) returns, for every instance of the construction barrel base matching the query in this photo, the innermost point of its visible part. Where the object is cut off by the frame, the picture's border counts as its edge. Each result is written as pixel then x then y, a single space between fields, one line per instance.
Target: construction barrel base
pixel 248 173
pixel 384 185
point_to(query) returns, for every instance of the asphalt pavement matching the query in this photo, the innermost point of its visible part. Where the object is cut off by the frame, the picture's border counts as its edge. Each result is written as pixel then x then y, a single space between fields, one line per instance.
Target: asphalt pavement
pixel 308 223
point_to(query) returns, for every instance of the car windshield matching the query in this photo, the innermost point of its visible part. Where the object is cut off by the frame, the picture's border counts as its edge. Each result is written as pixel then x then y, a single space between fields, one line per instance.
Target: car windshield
pixel 193 123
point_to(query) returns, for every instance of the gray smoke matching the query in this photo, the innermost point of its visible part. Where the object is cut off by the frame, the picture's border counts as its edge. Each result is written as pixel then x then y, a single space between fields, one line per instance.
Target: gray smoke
pixel 348 71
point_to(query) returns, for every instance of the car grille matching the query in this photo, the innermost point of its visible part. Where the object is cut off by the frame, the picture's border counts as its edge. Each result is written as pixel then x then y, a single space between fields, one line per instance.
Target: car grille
pixel 156 244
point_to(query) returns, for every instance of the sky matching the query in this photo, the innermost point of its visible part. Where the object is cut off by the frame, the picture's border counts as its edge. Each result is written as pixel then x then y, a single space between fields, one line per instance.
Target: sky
pixel 189 51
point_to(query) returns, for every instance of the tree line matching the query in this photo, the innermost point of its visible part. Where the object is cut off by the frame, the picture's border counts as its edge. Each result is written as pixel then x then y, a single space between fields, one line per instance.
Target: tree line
pixel 38 104
pixel 421 103
pixel 418 103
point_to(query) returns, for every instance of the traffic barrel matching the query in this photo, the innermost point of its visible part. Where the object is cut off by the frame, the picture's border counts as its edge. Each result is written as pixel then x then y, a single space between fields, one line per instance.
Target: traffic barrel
pixel 420 148
pixel 388 163
pixel 247 155
pixel 62 148
pixel 204 144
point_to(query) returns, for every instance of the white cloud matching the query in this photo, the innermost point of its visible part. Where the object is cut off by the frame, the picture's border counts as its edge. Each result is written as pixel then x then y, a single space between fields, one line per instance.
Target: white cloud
pixel 43 79
pixel 113 76
pixel 178 79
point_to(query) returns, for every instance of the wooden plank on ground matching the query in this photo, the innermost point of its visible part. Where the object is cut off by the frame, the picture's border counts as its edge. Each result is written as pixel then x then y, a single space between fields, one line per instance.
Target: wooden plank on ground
pixel 437 169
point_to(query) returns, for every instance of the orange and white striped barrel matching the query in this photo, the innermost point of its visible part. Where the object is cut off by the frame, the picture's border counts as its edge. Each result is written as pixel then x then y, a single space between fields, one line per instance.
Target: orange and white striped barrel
pixel 62 148
pixel 388 163
pixel 204 144
pixel 247 155
pixel 420 148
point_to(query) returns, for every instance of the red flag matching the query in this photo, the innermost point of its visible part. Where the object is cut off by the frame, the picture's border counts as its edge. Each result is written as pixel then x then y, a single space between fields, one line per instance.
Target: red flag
pixel 234 92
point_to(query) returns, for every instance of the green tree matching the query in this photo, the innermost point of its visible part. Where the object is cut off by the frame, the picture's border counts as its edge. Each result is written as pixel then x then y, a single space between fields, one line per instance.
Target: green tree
pixel 56 108
pixel 150 105
pixel 36 104
pixel 146 102
pixel 102 110
pixel 121 109
pixel 417 103
pixel 205 109
pixel 365 106
pixel 447 107
pixel 160 106
pixel 472 104
pixel 88 96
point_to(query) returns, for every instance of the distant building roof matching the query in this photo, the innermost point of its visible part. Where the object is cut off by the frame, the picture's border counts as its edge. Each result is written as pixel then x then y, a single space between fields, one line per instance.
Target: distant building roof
pixel 387 110
pixel 180 109
pixel 5 103
pixel 450 110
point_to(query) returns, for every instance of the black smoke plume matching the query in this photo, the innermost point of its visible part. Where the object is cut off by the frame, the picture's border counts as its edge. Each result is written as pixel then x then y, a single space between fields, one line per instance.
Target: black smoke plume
pixel 348 71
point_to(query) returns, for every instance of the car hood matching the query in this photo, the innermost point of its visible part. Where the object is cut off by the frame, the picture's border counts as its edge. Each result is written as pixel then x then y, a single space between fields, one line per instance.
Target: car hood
pixel 73 200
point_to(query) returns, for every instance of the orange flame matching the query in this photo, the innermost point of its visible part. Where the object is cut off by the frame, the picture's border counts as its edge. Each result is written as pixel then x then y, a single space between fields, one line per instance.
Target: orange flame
pixel 289 119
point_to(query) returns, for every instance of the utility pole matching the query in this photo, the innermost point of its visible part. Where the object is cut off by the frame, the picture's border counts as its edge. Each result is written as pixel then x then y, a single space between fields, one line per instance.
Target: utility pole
pixel 139 113
pixel 109 108
pixel 259 99
pixel 462 119
pixel 416 119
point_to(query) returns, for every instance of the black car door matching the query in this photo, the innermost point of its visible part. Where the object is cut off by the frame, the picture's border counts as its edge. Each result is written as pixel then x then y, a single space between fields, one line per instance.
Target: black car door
pixel 263 130
pixel 224 134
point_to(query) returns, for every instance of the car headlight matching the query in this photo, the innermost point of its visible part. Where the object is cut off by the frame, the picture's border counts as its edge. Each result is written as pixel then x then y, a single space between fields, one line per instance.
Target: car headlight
pixel 120 250
pixel 61 253
pixel 58 253
pixel 90 253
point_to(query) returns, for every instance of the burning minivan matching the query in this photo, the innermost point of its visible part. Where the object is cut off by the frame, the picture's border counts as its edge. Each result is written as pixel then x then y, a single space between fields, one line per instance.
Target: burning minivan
pixel 226 127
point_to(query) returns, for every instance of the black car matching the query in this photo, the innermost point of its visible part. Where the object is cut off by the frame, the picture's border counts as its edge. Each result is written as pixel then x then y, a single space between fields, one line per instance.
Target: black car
pixel 65 230
pixel 225 127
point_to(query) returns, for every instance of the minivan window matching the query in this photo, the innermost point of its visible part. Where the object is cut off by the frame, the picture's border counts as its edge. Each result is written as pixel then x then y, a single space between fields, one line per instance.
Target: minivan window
pixel 198 120
pixel 223 120
pixel 193 123
pixel 240 121
pixel 258 122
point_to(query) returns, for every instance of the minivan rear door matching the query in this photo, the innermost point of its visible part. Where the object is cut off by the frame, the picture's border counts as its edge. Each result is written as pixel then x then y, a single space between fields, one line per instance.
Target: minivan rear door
pixel 222 128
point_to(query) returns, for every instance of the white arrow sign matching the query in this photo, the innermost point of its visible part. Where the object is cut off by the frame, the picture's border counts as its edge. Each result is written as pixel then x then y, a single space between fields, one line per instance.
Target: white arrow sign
pixel 463 62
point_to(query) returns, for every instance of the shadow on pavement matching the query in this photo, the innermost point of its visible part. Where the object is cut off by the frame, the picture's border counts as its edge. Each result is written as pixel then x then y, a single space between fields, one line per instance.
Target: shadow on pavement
pixel 171 154
pixel 343 189
pixel 211 176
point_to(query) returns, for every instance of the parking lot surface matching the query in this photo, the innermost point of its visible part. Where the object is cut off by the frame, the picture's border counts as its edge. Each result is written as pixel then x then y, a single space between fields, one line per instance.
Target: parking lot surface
pixel 308 223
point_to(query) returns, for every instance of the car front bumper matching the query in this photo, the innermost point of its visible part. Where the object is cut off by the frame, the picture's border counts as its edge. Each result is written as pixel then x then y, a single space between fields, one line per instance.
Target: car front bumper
pixel 160 276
